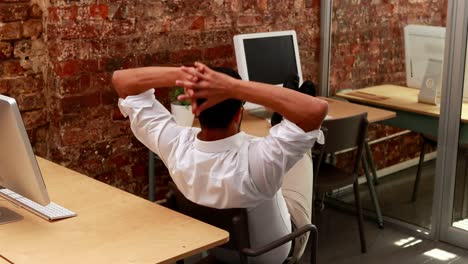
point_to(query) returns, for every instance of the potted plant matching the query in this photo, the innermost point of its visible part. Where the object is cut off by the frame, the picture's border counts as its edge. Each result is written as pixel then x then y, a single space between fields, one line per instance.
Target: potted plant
pixel 181 110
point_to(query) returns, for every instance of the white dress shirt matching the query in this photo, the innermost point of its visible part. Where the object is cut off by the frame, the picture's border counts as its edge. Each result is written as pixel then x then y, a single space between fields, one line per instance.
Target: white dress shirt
pixel 240 171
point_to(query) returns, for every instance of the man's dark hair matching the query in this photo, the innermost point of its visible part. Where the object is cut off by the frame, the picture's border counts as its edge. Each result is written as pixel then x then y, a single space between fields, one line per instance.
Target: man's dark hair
pixel 221 114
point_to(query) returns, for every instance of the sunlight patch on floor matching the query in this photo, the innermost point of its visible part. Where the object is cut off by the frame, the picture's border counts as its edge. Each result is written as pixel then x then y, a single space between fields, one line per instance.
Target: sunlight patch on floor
pixel 463 224
pixel 440 254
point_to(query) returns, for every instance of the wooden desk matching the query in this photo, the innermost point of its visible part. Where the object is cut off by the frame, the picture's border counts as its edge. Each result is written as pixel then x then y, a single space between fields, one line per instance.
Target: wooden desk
pixel 411 115
pixel 112 226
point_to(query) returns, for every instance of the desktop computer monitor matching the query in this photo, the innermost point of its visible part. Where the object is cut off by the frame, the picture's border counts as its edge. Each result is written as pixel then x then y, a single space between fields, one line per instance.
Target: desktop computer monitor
pixel 422 45
pixel 425 45
pixel 268 57
pixel 19 171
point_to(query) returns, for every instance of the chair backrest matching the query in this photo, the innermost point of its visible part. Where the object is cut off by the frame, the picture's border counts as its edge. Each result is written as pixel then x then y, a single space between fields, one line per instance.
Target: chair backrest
pixel 346 133
pixel 232 220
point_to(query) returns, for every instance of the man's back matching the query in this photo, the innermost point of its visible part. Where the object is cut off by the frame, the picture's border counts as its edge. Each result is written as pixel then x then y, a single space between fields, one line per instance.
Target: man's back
pixel 218 166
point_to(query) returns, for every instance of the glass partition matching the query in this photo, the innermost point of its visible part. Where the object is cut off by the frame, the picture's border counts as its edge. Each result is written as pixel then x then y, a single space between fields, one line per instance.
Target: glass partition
pixel 388 55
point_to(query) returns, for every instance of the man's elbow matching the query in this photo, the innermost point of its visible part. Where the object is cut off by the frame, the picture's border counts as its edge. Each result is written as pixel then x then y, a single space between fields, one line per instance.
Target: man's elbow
pixel 119 83
pixel 322 109
pixel 316 115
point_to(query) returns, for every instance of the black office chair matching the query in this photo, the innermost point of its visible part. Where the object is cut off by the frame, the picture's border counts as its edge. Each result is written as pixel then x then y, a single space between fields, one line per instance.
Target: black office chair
pixel 235 221
pixel 343 133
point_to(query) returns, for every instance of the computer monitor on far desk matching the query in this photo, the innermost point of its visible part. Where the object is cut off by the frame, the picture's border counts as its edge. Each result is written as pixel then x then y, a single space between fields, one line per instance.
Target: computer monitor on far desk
pixel 268 57
pixel 424 55
pixel 20 177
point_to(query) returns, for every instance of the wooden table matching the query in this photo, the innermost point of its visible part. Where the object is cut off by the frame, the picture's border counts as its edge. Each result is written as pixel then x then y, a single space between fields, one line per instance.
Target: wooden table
pixel 419 117
pixel 411 115
pixel 112 226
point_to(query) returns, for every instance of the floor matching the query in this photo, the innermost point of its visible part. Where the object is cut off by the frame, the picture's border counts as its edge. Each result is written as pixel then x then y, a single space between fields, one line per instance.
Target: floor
pixel 394 193
pixel 339 244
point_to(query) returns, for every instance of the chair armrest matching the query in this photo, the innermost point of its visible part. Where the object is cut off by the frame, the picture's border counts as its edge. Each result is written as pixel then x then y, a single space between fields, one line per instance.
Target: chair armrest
pixel 263 249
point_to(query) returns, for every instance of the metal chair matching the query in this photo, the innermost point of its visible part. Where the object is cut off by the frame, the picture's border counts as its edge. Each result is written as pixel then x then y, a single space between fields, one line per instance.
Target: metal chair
pixel 341 134
pixel 428 140
pixel 236 223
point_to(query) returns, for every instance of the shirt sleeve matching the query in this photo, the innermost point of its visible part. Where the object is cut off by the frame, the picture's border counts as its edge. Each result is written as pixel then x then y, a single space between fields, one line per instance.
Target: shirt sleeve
pixel 271 157
pixel 151 123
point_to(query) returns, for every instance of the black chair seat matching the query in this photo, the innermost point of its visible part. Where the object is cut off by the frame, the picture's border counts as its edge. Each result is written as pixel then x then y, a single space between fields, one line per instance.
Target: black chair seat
pixel 235 221
pixel 332 178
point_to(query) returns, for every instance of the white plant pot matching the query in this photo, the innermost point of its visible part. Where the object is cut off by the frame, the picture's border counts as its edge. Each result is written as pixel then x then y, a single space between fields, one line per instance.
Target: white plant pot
pixel 182 114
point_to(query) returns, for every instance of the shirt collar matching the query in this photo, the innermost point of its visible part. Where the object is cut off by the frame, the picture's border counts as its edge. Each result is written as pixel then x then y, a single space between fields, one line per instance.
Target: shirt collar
pixel 221 145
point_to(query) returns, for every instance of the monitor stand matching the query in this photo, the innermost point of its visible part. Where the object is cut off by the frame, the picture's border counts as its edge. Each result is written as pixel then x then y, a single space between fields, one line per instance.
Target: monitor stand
pixel 8 216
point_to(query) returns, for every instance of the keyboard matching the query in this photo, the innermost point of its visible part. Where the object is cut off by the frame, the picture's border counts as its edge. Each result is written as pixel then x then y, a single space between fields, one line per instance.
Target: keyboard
pixel 50 212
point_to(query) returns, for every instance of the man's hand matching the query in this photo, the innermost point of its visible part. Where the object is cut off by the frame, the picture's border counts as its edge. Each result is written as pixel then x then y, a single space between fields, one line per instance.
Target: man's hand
pixel 134 81
pixel 213 86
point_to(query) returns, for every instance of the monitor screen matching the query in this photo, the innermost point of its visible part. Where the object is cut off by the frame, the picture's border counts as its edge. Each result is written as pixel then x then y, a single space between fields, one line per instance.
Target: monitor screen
pixel 270 60
pixel 268 57
pixel 19 171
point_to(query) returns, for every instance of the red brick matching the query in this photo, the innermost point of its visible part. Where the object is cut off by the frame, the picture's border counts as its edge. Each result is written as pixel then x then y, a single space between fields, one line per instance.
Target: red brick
pixel 122 27
pixel 13 12
pixel 249 20
pixel 99 11
pixel 75 85
pixel 34 118
pixel 53 15
pixel 64 13
pixel 219 21
pixel 63 49
pixel 109 98
pixel 198 23
pixel 90 66
pixel 101 82
pixel 73 104
pixel 26 85
pixel 68 68
pixel 6 50
pixel 11 68
pixel 28 102
pixel 185 56
pixel 10 31
pixel 117 160
pixel 32 29
pixel 4 86
pixel 262 5
pixel 235 5
pixel 73 31
pixel 116 114
pixel 218 52
pixel 139 170
pixel 78 136
pixel 35 11
pixel 116 129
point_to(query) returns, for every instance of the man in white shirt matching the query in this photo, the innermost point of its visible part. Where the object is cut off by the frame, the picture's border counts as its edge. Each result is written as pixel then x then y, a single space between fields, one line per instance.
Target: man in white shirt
pixel 219 166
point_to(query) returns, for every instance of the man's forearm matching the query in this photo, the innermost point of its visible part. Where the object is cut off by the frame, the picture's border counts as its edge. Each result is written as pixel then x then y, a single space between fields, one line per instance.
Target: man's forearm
pixel 137 80
pixel 306 111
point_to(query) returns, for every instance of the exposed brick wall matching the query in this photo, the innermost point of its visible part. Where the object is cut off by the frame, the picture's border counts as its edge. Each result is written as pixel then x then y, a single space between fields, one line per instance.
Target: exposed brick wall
pixel 71 109
pixel 22 53
pixel 368 49
pixel 368 42
pixel 57 57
